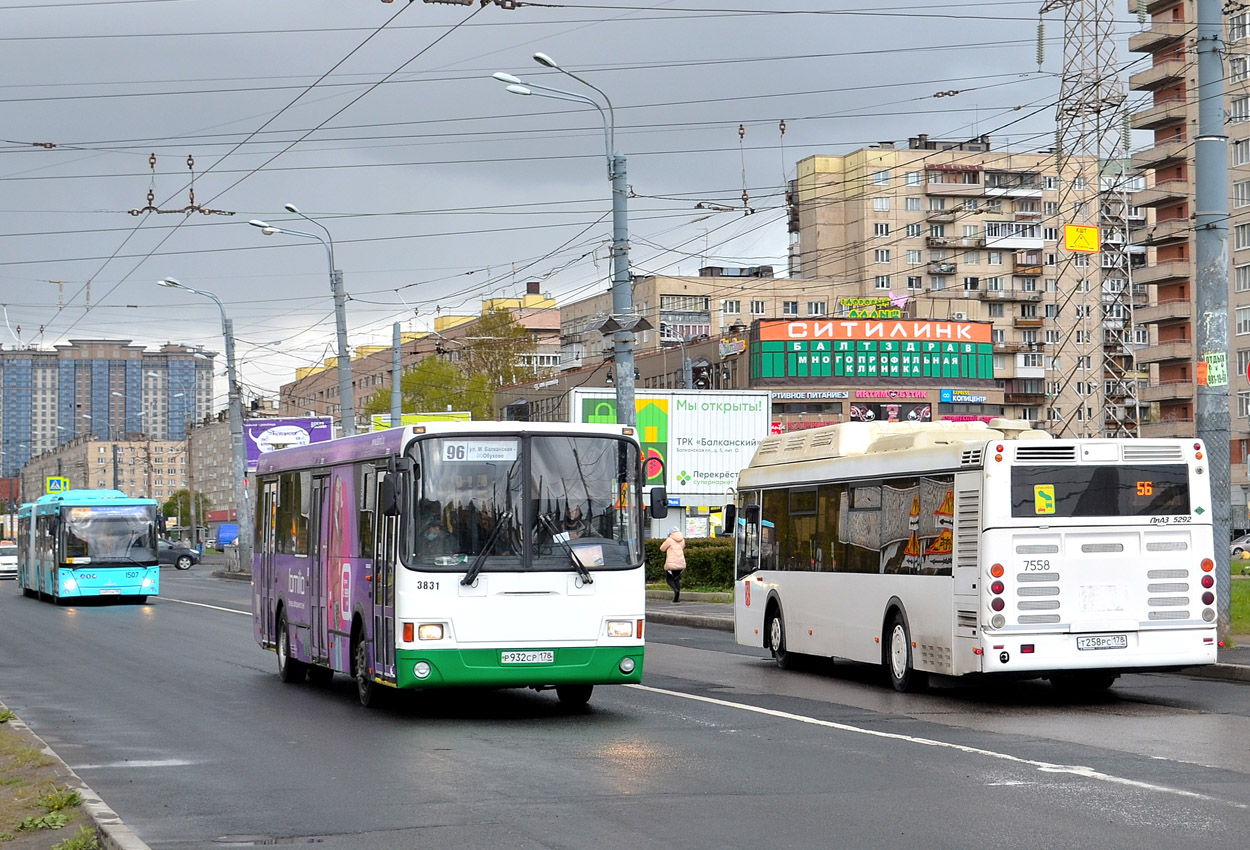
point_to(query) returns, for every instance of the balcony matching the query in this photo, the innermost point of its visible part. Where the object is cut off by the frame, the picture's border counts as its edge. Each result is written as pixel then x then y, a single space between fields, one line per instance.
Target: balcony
pixel 1161 74
pixel 953 188
pixel 1023 397
pixel 1164 351
pixel 1167 428
pixel 1012 294
pixel 1175 310
pixel 1163 272
pixel 1016 347
pixel 1162 194
pixel 941 268
pixel 1167 232
pixel 1027 321
pixel 1168 391
pixel 954 242
pixel 1161 156
pixel 1160 34
pixel 1163 113
pixel 940 216
pixel 1023 270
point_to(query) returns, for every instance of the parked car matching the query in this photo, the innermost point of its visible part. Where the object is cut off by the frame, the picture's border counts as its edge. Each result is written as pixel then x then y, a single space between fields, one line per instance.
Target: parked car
pixel 1240 544
pixel 175 554
pixel 8 560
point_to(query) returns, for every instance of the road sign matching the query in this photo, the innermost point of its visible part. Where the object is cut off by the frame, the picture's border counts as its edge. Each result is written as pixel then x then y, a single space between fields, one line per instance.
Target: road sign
pixel 56 484
pixel 1081 237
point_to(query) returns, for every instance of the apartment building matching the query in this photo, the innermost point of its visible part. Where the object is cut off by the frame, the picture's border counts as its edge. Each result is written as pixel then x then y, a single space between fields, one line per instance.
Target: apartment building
pixel 149 468
pixel 969 233
pixel 315 390
pixel 108 389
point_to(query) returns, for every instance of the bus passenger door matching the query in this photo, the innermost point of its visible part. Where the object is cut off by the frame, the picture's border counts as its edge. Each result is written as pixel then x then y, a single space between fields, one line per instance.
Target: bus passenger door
pixel 384 596
pixel 264 601
pixel 319 643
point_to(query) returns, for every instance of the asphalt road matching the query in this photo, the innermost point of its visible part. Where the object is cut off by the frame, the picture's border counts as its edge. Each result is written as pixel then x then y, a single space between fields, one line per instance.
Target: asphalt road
pixel 178 720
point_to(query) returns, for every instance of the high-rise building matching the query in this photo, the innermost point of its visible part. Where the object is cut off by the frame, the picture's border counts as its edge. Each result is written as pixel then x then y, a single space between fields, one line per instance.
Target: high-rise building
pixel 971 233
pixel 107 389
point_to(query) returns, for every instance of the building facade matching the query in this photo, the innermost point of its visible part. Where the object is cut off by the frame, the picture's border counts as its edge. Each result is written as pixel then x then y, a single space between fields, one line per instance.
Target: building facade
pixel 108 389
pixel 148 468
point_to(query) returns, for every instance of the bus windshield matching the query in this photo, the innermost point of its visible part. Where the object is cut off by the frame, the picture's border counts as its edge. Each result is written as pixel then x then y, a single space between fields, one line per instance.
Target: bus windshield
pixel 103 534
pixel 522 503
pixel 1099 491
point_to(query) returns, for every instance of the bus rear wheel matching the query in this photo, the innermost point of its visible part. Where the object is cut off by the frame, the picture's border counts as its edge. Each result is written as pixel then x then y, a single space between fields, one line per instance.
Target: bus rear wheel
pixel 776 631
pixel 289 670
pixel 898 660
pixel 1084 682
pixel 574 696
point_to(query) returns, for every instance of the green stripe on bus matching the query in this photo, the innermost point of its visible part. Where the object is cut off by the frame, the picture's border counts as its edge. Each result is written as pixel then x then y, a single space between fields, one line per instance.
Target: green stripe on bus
pixel 470 667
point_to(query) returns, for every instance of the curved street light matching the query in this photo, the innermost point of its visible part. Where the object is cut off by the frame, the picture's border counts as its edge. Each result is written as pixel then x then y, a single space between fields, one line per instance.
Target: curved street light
pixel 243 509
pixel 622 324
pixel 347 408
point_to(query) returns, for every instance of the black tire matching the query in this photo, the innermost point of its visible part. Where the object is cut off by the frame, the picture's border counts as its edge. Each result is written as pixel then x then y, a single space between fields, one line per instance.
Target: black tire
pixel 1083 683
pixel 366 689
pixel 574 696
pixel 183 562
pixel 897 657
pixel 140 600
pixel 775 630
pixel 319 676
pixel 290 670
pixel 30 594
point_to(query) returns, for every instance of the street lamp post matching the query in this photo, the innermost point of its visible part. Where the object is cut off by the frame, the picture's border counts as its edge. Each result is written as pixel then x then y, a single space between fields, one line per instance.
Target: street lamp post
pixel 622 323
pixel 244 505
pixel 347 411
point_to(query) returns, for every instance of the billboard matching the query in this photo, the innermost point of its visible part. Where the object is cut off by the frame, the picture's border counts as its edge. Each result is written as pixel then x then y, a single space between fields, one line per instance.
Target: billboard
pixel 695 441
pixel 382 421
pixel 817 349
pixel 267 435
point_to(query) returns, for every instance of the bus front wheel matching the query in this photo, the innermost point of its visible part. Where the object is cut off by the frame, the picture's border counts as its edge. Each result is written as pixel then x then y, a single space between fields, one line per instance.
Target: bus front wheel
pixel 776 631
pixel 289 670
pixel 366 689
pixel 898 661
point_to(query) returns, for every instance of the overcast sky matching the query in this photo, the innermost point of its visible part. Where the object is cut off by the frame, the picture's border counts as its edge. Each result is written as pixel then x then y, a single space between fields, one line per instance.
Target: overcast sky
pixel 382 121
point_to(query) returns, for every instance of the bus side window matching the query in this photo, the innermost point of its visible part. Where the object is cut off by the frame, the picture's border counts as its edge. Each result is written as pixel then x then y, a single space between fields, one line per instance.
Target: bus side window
pixel 748 540
pixel 366 479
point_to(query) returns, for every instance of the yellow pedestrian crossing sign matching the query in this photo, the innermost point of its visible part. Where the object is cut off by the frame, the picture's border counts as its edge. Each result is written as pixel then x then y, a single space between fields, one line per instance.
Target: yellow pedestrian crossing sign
pixel 56 484
pixel 1081 237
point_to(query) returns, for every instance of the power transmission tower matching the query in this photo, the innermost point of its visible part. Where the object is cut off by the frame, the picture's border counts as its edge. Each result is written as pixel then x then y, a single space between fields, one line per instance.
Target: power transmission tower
pixel 1091 151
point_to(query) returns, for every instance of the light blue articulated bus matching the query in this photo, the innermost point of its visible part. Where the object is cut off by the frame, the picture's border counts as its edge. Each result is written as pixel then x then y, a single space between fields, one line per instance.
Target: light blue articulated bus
pixel 88 543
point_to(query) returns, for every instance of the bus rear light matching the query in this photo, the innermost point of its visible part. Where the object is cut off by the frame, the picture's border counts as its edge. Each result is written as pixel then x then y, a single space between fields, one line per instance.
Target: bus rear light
pixel 997 603
pixel 977 650
pixel 1026 649
pixel 999 448
pixel 998 621
pixel 1198 455
pixel 1207 565
pixel 997 587
pixel 997 571
pixel 1208 614
pixel 1208 580
pixel 998 457
pixel 1208 598
pixel 408 632
pixel 430 631
pixel 620 628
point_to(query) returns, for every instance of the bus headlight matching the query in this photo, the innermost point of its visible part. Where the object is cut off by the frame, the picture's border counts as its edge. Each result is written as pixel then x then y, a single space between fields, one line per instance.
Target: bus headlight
pixel 627 665
pixel 429 631
pixel 421 669
pixel 70 584
pixel 620 628
pixel 147 582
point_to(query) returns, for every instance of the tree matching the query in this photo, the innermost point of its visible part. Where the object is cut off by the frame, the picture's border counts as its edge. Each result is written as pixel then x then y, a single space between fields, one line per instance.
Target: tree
pixel 435 384
pixel 498 347
pixel 179 507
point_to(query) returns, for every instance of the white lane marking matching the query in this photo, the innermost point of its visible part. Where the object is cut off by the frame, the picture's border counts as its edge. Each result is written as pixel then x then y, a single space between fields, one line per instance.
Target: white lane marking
pixel 136 763
pixel 1045 767
pixel 204 605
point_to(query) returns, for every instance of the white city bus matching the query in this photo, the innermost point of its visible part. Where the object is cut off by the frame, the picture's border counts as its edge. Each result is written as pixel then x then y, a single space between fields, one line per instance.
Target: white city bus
pixel 966 548
pixel 455 554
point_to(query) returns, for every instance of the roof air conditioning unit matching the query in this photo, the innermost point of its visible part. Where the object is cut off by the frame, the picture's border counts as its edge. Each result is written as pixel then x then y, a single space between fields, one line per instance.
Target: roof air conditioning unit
pixel 959 317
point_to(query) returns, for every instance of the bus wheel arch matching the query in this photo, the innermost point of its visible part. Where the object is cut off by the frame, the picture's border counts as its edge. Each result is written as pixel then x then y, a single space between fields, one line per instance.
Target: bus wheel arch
pixel 775 633
pixel 896 650
pixel 366 689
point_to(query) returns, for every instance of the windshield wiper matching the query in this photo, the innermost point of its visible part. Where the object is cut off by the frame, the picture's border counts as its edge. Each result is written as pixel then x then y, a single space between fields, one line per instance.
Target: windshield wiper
pixel 480 560
pixel 563 540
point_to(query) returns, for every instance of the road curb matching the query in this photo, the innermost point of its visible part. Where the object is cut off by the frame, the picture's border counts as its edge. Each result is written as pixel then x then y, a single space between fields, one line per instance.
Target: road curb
pixel 694 621
pixel 112 831
pixel 235 576
pixel 1224 672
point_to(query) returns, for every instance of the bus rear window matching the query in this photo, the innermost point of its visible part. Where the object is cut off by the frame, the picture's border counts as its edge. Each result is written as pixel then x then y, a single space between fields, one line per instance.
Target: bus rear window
pixel 1099 491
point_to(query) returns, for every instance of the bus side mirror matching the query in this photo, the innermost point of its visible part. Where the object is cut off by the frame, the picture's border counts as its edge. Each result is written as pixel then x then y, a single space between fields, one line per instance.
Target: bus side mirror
pixel 388 504
pixel 659 503
pixel 730 515
pixel 751 513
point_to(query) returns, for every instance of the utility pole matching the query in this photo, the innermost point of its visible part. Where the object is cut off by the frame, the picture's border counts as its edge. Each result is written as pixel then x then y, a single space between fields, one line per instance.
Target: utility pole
pixel 1211 417
pixel 397 399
